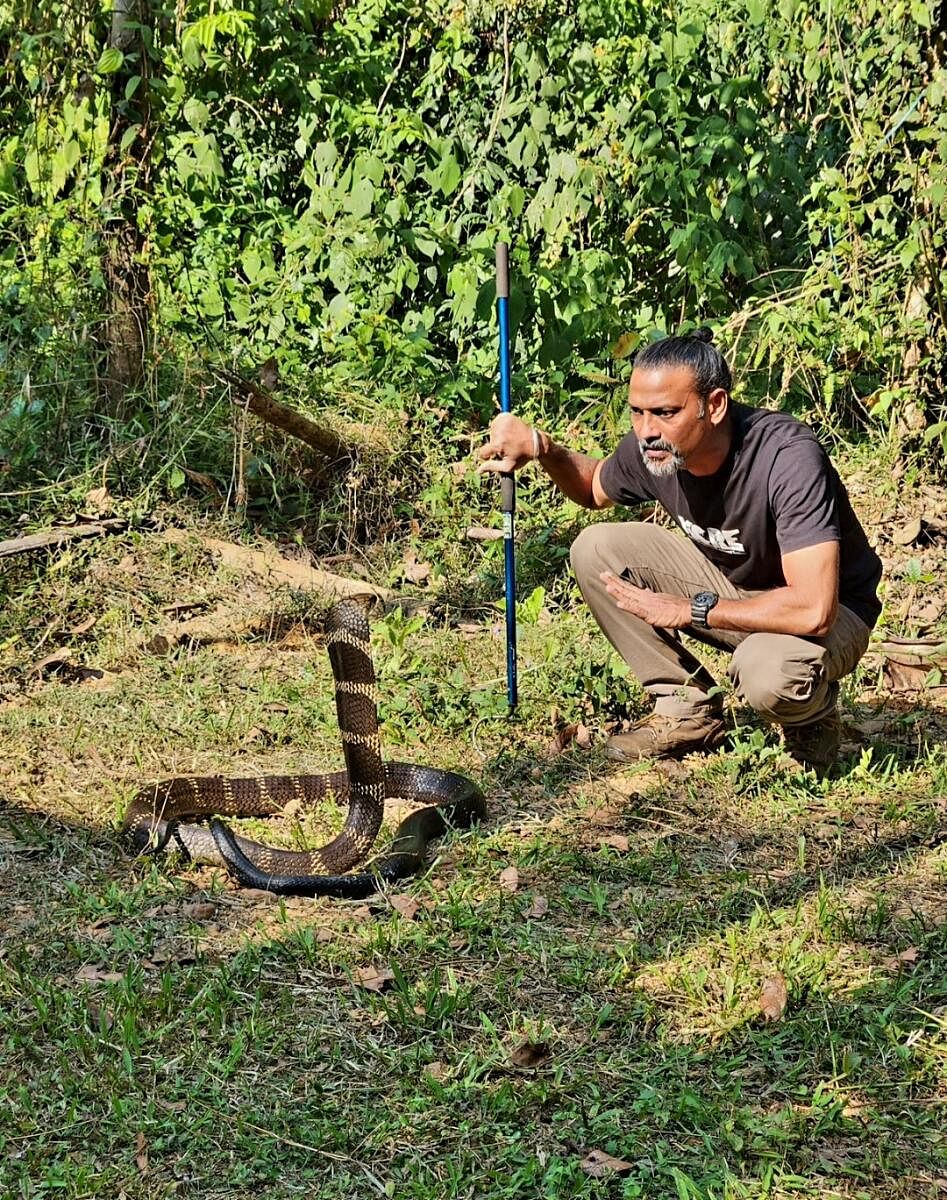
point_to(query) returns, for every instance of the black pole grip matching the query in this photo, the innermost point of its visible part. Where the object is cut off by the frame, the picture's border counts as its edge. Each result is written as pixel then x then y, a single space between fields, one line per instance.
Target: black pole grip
pixel 503 271
pixel 507 493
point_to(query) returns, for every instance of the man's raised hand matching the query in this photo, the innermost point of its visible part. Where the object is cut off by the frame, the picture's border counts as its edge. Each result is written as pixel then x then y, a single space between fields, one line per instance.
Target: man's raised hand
pixel 512 445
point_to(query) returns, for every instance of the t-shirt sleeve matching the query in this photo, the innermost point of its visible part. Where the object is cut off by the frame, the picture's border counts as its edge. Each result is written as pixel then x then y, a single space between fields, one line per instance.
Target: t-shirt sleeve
pixel 803 497
pixel 621 474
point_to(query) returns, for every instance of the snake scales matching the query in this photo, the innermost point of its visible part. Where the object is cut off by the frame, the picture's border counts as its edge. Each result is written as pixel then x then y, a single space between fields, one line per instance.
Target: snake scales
pixel 162 812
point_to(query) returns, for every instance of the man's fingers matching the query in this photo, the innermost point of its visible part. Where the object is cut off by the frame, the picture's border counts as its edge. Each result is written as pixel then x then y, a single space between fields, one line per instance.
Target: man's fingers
pixel 492 453
pixel 497 465
pixel 614 584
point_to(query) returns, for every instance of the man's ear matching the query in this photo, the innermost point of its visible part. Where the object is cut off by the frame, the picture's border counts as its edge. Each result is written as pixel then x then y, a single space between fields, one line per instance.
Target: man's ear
pixel 718 405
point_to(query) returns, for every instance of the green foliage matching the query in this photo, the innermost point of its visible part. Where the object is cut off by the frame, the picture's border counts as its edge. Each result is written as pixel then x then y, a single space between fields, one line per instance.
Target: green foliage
pixel 326 185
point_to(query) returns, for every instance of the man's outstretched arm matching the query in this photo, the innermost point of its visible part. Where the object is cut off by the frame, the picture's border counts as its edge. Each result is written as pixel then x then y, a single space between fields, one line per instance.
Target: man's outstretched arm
pixel 513 444
pixel 807 606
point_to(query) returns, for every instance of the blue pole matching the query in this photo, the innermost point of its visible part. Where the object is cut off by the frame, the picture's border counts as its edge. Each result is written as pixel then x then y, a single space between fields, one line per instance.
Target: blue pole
pixel 507 481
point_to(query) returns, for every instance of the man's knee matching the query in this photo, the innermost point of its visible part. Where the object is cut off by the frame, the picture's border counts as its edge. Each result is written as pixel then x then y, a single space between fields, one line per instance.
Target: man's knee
pixel 594 551
pixel 585 551
pixel 608 546
pixel 777 675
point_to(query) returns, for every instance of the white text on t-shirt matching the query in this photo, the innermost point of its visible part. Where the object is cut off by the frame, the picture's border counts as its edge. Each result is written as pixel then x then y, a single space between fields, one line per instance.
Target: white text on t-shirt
pixel 725 540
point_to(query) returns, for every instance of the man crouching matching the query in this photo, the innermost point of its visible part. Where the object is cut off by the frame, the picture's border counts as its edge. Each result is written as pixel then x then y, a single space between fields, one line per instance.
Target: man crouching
pixel 773 564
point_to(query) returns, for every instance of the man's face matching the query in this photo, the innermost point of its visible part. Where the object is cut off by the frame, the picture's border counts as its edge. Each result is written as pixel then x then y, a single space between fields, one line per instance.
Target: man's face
pixel 667 416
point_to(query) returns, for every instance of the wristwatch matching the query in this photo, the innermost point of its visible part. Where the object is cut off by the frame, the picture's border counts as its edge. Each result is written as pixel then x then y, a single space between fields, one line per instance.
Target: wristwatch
pixel 701 604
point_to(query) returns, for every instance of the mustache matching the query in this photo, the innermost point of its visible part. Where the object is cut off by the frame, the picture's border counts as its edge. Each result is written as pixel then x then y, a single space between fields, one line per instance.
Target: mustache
pixel 657 444
pixel 668 466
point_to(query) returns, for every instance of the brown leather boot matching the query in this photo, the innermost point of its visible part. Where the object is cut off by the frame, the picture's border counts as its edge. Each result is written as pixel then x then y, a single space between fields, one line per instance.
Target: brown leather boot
pixel 660 736
pixel 815 746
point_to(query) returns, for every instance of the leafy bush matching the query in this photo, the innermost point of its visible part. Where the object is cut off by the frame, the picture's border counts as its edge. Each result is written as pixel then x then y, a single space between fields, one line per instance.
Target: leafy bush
pixel 325 185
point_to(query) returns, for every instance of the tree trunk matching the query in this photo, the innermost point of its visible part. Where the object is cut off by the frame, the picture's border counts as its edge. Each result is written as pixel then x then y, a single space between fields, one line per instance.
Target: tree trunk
pixel 127 332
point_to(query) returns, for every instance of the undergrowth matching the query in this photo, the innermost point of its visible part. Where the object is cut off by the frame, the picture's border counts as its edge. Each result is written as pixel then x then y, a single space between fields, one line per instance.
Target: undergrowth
pixel 164 1034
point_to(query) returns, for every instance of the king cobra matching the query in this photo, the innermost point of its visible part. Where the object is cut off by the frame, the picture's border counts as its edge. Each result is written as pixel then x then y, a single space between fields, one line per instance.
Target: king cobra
pixel 159 814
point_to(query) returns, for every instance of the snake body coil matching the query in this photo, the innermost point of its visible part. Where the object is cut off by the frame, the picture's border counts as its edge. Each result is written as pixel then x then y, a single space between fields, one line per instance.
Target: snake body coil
pixel 161 812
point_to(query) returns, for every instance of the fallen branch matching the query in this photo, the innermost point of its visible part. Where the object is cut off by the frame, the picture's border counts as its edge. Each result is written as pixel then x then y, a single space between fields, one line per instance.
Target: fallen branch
pixel 269 565
pixel 263 405
pixel 56 537
pixel 249 609
pixel 908 648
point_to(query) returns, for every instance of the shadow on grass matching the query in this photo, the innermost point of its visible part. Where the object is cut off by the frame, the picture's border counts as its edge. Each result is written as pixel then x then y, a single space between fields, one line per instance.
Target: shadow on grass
pixel 840 1097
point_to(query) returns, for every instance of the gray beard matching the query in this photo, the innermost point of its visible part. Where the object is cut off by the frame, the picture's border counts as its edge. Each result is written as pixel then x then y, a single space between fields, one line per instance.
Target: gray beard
pixel 671 466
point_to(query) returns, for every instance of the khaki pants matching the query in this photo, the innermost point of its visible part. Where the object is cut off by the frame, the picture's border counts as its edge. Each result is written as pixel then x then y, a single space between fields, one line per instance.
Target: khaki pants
pixel 789 680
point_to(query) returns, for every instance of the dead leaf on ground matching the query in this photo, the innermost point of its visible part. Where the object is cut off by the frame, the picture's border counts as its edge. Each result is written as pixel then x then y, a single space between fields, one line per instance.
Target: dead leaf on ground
pixel 774 997
pixel 165 953
pixel 83 626
pixel 437 1070
pixel 583 739
pixel 538 908
pixel 373 979
pixel 907 958
pixel 904 676
pixel 96 973
pixel 871 726
pixel 407 906
pixel 415 571
pixel 560 741
pixel 530 1054
pixel 509 879
pixel 141 1152
pixel 617 841
pixel 58 660
pixel 199 911
pixel 598 1164
pixel 97 502
pixel 604 817
pixel 207 482
pixel 907 533
pixel 929 614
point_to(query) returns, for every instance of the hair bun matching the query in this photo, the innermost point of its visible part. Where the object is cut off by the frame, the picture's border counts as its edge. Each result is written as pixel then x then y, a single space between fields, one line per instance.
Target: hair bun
pixel 703 334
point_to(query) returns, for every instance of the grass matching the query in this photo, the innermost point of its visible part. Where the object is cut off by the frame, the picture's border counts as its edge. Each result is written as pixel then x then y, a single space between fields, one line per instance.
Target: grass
pixel 163 1034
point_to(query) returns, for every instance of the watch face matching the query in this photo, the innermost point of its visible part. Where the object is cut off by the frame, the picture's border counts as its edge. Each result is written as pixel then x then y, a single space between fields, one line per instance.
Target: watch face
pixel 709 598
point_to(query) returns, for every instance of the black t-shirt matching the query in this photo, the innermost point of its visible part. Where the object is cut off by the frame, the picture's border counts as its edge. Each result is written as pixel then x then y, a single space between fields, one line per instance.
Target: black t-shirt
pixel 776 492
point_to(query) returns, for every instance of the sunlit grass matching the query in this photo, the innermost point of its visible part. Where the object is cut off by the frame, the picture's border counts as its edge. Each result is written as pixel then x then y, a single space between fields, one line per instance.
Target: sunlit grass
pixel 165 1034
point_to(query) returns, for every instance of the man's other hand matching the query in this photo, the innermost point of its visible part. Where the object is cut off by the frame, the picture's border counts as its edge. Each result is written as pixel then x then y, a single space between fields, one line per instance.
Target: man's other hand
pixel 660 609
